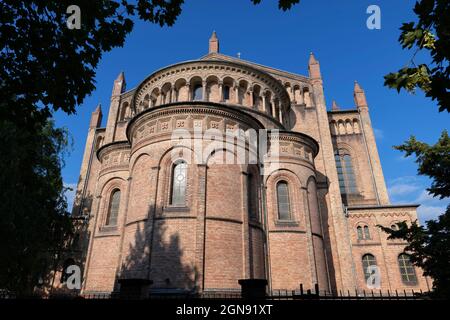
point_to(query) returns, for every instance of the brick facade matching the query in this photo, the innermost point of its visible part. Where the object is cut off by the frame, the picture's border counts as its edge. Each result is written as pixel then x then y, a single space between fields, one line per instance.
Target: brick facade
pixel 229 226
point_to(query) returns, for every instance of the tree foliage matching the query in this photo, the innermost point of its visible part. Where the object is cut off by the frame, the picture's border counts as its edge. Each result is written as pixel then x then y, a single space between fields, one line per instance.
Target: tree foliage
pixel 34 220
pixel 48 67
pixel 433 161
pixel 429 245
pixel 430 33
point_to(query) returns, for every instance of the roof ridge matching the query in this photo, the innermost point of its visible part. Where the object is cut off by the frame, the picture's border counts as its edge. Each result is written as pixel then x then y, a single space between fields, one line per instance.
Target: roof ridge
pixel 238 60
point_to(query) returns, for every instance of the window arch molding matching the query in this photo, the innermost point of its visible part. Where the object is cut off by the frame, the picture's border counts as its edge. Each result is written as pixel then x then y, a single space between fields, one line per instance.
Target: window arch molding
pixel 115 183
pixel 296 200
pixel 165 164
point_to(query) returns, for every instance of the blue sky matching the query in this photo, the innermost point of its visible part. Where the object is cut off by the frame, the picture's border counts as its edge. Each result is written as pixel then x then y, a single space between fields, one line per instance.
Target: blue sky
pixel 337 34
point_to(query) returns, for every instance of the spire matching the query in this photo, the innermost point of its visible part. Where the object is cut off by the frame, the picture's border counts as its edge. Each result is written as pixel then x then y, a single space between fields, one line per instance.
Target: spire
pixel 359 96
pixel 98 109
pixel 119 84
pixel 121 76
pixel 334 106
pixel 314 67
pixel 312 59
pixel 96 117
pixel 214 43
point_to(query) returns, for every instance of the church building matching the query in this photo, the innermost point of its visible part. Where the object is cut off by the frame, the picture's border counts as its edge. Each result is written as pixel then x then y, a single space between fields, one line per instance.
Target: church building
pixel 162 218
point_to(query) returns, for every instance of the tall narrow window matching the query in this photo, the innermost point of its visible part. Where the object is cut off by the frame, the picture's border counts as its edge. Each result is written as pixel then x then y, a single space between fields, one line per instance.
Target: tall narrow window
pixel 367 261
pixel 407 271
pixel 197 92
pixel 179 177
pixel 284 210
pixel 226 93
pixel 113 210
pixel 252 197
pixel 346 174
pixel 366 233
pixel 359 231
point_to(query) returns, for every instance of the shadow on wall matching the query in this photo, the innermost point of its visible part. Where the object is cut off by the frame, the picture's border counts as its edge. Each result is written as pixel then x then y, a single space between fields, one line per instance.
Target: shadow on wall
pixel 325 218
pixel 155 262
pixel 73 251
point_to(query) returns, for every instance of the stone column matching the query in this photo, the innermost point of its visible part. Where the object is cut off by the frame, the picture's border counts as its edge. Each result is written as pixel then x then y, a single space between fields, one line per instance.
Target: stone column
pixel 204 84
pixel 189 93
pixel 264 103
pixel 250 93
pixel 272 102
pixel 220 84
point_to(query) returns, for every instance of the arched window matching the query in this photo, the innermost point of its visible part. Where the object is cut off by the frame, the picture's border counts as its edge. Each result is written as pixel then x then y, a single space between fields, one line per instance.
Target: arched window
pixel 179 179
pixel 346 174
pixel 113 210
pixel 255 98
pixel 226 93
pixel 284 210
pixel 367 261
pixel 359 231
pixel 197 93
pixel 407 271
pixel 366 233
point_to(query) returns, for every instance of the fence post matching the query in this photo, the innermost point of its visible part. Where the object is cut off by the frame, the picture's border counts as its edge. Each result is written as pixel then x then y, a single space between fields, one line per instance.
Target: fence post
pixel 301 289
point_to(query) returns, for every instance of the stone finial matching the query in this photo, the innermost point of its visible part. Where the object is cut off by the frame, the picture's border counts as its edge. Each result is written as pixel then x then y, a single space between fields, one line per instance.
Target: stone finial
pixel 96 117
pixel 312 59
pixel 119 84
pixel 334 106
pixel 213 43
pixel 359 96
pixel 314 67
pixel 98 109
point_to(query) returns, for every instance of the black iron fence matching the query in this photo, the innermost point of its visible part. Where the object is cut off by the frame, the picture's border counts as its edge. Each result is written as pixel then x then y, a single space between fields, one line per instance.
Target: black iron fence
pixel 298 294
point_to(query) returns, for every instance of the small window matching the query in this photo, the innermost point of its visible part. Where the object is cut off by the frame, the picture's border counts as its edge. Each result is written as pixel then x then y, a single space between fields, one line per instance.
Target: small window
pixel 113 210
pixel 284 210
pixel 226 93
pixel 367 261
pixel 407 271
pixel 366 233
pixel 179 179
pixel 252 196
pixel 359 231
pixel 197 92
